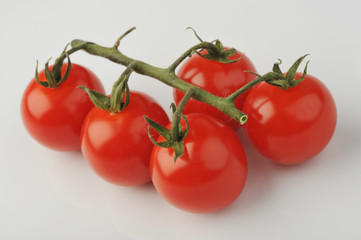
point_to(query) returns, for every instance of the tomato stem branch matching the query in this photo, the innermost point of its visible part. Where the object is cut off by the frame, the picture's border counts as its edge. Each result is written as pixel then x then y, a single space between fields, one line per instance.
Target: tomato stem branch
pixel 189 52
pixel 265 78
pixel 120 91
pixel 116 44
pixel 177 115
pixel 166 75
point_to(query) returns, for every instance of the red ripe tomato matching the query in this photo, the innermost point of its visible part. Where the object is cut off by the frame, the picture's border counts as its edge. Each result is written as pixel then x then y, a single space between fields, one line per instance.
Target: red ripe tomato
pixel 220 79
pixel 117 146
pixel 293 125
pixel 209 175
pixel 54 116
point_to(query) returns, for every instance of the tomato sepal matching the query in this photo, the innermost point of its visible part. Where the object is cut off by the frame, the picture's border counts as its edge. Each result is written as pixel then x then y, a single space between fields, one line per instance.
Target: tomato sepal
pixel 163 131
pixel 119 98
pixel 288 80
pixel 49 76
pixel 276 67
pixel 100 100
pixel 42 83
pixel 173 139
pixel 67 71
pixel 217 53
pixel 53 77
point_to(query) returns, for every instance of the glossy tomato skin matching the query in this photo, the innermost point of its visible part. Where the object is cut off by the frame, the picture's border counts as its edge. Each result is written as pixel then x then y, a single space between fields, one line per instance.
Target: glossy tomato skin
pixel 117 146
pixel 209 175
pixel 220 79
pixel 290 126
pixel 54 117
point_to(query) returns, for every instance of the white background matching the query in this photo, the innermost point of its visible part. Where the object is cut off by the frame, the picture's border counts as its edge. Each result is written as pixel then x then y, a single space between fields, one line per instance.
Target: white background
pixel 51 195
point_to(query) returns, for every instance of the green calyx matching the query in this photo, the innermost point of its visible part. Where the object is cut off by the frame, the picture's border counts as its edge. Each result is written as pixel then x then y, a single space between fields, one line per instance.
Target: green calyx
pixel 53 77
pixel 174 137
pixel 288 80
pixel 119 98
pixel 217 52
pixel 275 78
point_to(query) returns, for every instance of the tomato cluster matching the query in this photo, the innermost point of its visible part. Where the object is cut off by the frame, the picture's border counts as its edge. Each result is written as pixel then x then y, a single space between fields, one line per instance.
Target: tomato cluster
pixel 288 126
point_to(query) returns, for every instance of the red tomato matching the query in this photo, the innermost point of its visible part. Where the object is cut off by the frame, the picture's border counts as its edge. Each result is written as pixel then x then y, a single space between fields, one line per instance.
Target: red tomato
pixel 54 117
pixel 293 125
pixel 117 146
pixel 209 175
pixel 220 79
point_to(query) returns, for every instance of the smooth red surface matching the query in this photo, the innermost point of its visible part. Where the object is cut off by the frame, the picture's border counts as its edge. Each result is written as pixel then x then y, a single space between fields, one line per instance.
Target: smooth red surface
pixel 117 146
pixel 290 126
pixel 211 173
pixel 54 117
pixel 220 79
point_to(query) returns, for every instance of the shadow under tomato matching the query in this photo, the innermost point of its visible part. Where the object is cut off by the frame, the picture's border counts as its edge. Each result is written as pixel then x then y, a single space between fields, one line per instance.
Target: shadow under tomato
pixel 134 208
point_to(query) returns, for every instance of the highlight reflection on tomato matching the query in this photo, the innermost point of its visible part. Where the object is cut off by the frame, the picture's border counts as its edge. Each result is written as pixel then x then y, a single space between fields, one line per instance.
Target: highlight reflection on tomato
pixel 117 146
pixel 211 173
pixel 290 126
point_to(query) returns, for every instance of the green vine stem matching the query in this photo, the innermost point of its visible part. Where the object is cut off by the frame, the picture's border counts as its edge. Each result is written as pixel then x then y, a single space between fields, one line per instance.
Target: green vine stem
pixel 168 76
pixel 177 115
pixel 265 78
